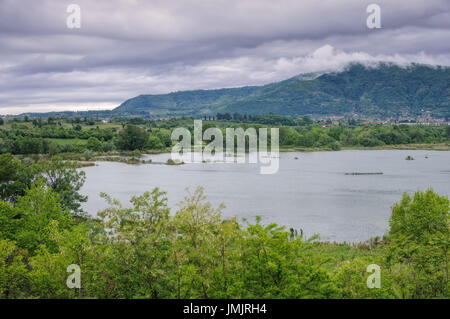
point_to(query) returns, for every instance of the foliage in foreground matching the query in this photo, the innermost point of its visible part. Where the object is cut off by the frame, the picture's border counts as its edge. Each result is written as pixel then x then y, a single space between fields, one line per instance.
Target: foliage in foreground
pixel 145 251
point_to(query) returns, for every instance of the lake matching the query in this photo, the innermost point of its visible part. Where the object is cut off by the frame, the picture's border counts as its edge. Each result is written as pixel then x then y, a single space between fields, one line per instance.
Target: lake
pixel 312 193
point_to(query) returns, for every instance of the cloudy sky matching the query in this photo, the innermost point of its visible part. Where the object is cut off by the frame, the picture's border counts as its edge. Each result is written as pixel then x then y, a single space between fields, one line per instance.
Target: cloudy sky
pixel 129 47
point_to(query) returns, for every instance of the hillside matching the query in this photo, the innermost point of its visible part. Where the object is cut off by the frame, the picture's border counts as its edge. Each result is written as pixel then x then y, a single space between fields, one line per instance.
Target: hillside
pixel 385 90
pixel 194 103
pixel 382 91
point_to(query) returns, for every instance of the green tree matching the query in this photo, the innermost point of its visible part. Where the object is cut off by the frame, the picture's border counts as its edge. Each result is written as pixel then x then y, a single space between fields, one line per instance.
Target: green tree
pixel 351 280
pixel 420 236
pixel 107 146
pixel 140 240
pixel 9 221
pixel 276 267
pixel 287 135
pixel 196 255
pixel 15 177
pixel 165 137
pixel 335 146
pixel 132 138
pixel 154 143
pixel 65 179
pixel 37 209
pixel 13 271
pixel 48 273
pixel 94 144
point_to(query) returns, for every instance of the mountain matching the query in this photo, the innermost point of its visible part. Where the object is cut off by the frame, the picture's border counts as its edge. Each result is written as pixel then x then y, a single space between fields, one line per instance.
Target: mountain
pixel 379 91
pixel 198 102
pixel 384 90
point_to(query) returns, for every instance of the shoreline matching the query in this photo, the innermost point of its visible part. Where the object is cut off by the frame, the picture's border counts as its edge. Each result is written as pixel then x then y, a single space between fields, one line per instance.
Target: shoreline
pixel 411 147
pixel 132 158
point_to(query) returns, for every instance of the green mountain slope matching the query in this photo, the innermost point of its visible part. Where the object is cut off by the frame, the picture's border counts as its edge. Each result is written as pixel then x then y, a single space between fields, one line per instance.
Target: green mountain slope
pixel 385 90
pixel 186 102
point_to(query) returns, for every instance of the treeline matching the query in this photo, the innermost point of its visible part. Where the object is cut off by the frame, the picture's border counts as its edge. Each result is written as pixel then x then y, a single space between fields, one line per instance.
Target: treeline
pixel 268 119
pixel 53 136
pixel 366 135
pixel 336 136
pixel 21 139
pixel 151 251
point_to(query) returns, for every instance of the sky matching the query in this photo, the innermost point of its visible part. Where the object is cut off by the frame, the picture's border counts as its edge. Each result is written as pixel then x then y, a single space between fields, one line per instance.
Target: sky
pixel 125 48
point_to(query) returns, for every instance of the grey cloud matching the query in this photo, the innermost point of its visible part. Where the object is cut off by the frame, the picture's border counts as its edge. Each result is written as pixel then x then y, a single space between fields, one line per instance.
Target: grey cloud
pixel 130 47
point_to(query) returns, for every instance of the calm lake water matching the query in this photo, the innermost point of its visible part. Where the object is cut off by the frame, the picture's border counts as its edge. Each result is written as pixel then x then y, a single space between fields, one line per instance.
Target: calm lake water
pixel 310 193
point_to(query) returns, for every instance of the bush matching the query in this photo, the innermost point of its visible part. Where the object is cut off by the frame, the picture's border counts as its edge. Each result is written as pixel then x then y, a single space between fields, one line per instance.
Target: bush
pixel 88 155
pixel 154 143
pixel 336 146
pixel 94 144
pixel 132 138
pixel 13 271
pixel 420 237
pixel 107 147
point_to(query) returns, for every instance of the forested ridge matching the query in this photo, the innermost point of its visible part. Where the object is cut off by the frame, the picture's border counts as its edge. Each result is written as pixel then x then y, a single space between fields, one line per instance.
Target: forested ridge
pixel 379 91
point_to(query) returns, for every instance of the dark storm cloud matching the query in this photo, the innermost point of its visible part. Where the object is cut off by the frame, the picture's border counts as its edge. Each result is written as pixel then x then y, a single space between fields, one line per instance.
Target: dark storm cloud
pixel 127 47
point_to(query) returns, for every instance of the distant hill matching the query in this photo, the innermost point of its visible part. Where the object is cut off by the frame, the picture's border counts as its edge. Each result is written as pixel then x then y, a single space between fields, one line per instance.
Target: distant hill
pixel 195 103
pixel 384 90
pixel 381 91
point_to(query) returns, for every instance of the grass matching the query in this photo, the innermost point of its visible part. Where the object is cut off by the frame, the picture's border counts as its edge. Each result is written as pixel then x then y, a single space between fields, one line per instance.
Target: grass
pixel 335 254
pixel 66 141
pixel 102 126
pixel 121 159
pixel 7 124
pixel 172 162
pixel 422 146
